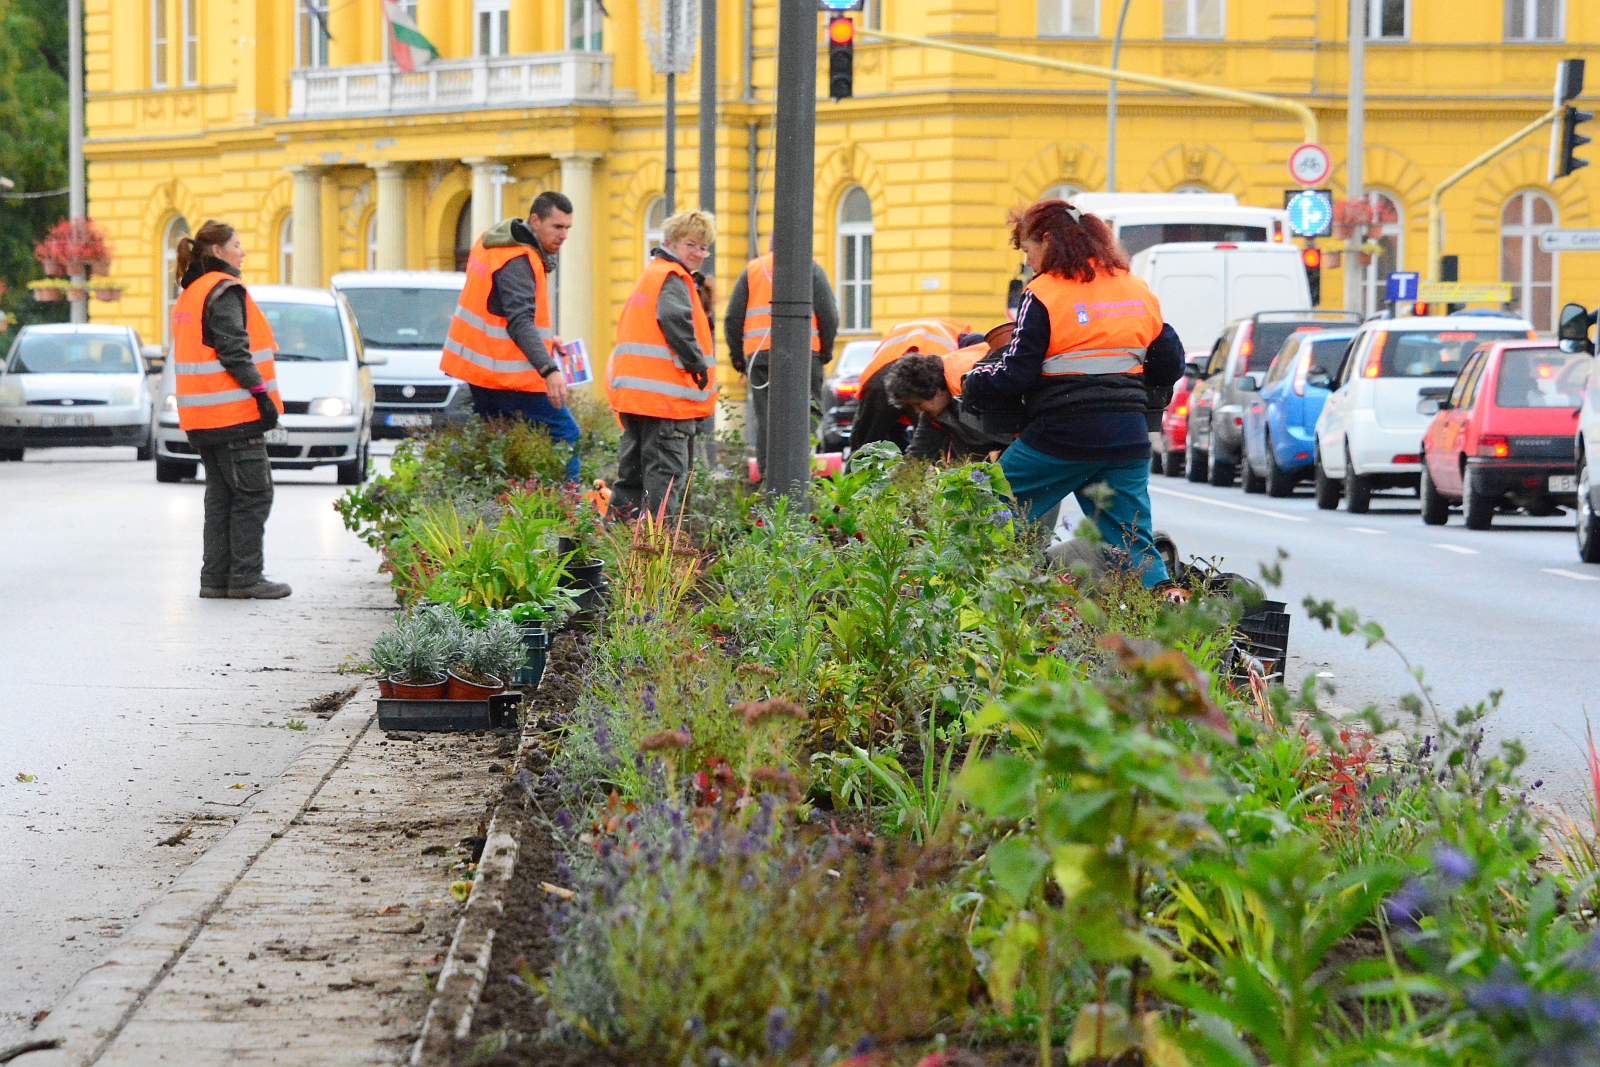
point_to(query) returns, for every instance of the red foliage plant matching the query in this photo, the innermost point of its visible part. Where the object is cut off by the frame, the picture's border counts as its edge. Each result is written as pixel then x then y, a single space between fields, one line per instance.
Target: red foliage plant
pixel 74 245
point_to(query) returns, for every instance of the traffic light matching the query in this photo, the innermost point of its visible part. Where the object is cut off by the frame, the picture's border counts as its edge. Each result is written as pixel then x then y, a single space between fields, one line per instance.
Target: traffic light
pixel 1571 140
pixel 1312 258
pixel 841 57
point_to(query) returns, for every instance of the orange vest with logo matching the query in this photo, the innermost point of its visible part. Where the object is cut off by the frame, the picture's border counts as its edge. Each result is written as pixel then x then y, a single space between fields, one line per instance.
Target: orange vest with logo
pixel 478 349
pixel 931 337
pixel 758 309
pixel 645 376
pixel 959 362
pixel 209 398
pixel 1100 332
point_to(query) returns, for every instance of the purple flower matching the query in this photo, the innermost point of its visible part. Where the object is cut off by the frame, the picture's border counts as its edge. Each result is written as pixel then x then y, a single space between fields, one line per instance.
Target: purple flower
pixel 863 1046
pixel 602 739
pixel 779 1033
pixel 1454 864
pixel 978 475
pixel 1405 907
pixel 649 697
pixel 562 819
pixel 1504 996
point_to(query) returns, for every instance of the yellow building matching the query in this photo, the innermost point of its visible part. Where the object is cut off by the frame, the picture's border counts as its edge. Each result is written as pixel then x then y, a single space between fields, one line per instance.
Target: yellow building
pixel 326 158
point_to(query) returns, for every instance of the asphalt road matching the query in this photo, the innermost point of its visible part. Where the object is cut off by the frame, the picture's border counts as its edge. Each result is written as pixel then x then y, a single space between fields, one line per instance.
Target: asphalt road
pixel 1509 608
pixel 139 710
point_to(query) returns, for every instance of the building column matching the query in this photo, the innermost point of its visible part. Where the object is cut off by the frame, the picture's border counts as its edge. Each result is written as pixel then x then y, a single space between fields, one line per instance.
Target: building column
pixel 391 215
pixel 305 227
pixel 577 255
pixel 488 181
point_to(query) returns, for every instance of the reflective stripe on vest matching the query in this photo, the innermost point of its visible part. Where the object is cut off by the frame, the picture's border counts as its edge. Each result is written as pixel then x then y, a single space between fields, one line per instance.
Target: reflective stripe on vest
pixel 959 362
pixel 207 395
pixel 1099 327
pixel 758 308
pixel 931 337
pixel 479 349
pixel 1097 361
pixel 645 376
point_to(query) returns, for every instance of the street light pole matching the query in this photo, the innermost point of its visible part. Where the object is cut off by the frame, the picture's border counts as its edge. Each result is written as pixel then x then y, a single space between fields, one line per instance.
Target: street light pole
pixel 1111 104
pixel 795 147
pixel 77 201
pixel 708 109
pixel 670 31
pixel 1355 135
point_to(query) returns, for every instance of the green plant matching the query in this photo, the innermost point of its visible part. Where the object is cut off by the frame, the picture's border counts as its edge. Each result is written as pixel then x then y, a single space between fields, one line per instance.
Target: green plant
pixel 421 653
pixel 388 653
pixel 495 650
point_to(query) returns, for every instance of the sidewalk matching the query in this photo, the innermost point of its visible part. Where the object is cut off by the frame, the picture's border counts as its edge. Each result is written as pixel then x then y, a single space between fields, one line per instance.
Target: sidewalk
pixel 310 934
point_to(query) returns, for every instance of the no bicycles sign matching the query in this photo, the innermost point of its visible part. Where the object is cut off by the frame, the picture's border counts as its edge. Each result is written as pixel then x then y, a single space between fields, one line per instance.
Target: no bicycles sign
pixel 1309 164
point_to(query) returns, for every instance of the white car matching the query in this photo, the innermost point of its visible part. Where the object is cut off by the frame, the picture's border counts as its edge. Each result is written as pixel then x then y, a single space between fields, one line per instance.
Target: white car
pixel 322 378
pixel 1369 436
pixel 67 385
pixel 1203 285
pixel 404 316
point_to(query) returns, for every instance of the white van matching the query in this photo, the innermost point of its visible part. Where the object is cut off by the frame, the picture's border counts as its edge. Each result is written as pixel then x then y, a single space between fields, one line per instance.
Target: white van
pixel 404 316
pixel 1204 285
pixel 1141 220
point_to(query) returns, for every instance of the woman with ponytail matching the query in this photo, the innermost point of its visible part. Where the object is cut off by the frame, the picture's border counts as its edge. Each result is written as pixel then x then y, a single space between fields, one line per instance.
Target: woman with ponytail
pixel 227 393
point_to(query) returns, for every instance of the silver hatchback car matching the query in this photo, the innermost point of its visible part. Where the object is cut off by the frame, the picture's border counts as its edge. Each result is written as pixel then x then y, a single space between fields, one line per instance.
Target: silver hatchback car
pixel 65 385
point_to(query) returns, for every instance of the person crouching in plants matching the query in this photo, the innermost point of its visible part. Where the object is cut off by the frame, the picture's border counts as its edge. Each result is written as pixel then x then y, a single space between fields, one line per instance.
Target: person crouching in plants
pixel 662 382
pixel 931 386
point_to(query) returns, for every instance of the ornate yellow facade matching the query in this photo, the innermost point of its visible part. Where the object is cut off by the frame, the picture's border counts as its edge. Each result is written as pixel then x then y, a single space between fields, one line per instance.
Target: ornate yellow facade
pixel 326 158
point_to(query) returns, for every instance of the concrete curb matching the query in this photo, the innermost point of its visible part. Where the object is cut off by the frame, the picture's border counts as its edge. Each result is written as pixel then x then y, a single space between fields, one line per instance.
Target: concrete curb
pixel 92 1014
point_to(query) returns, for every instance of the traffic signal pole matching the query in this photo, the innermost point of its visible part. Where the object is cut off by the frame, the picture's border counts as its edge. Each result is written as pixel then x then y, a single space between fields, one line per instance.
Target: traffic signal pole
pixel 794 158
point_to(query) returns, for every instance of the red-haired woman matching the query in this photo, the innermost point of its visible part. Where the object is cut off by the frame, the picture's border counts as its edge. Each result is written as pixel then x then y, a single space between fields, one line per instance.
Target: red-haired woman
pixel 1088 349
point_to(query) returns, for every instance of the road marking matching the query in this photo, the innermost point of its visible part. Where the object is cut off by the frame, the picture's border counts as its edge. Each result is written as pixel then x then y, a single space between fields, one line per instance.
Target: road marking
pixel 1457 548
pixel 1367 530
pixel 1230 507
pixel 1570 574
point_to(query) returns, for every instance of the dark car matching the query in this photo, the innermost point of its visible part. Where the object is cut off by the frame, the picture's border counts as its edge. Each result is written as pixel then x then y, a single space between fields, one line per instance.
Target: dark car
pixel 840 393
pixel 1215 440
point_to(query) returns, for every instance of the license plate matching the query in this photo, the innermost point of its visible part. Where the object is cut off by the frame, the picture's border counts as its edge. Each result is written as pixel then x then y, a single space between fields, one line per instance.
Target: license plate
pixel 1563 483
pixel 69 420
pixel 277 436
pixel 408 421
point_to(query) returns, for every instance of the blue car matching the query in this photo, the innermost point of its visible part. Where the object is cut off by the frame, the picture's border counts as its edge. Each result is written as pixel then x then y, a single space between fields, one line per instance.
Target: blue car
pixel 1280 420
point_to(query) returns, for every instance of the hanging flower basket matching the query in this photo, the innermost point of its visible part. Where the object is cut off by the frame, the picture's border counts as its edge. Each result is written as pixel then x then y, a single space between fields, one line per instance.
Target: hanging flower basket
pixel 74 246
pixel 1349 216
pixel 53 268
pixel 77 294
pixel 48 290
pixel 46 296
pixel 1363 259
pixel 108 293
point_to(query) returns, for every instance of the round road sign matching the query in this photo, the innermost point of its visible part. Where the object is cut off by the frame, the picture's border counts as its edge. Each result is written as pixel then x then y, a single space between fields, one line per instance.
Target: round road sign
pixel 1309 164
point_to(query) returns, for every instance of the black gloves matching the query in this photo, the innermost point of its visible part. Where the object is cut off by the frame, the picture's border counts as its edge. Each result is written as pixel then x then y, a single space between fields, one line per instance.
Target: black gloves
pixel 701 378
pixel 269 411
pixel 736 358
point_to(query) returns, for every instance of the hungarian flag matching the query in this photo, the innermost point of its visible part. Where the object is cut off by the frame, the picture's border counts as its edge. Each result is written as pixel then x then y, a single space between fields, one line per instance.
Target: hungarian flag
pixel 406 43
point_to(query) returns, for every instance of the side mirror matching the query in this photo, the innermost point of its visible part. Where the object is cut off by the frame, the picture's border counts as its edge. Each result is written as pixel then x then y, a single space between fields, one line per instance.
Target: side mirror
pixel 375 359
pixel 1320 379
pixel 1573 328
pixel 155 358
pixel 1195 368
pixel 1248 384
pixel 1429 406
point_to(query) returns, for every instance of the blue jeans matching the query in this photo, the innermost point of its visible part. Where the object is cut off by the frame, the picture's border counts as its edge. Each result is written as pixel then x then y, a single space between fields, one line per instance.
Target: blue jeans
pixel 1039 482
pixel 530 407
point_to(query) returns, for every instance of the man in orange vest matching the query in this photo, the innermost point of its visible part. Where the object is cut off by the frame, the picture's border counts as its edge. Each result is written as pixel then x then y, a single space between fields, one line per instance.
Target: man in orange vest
pixel 931 386
pixel 662 378
pixel 501 341
pixel 748 324
pixel 877 419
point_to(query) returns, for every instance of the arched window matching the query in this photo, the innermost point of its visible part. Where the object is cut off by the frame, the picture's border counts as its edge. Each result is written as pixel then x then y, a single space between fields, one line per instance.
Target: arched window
pixel 855 260
pixel 1386 211
pixel 286 250
pixel 655 223
pixel 371 241
pixel 464 235
pixel 177 229
pixel 1065 191
pixel 1531 272
pixel 1191 187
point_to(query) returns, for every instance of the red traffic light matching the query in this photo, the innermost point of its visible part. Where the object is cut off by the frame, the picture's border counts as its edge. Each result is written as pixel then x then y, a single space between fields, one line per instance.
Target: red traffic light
pixel 1312 258
pixel 841 31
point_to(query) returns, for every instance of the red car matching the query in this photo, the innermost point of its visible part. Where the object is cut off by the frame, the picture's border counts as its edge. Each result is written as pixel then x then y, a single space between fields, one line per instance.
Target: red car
pixel 1502 438
pixel 1167 457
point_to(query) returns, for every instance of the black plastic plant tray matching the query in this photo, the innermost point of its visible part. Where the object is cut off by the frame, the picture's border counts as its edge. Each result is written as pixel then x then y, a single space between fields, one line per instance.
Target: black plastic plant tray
pixel 442 716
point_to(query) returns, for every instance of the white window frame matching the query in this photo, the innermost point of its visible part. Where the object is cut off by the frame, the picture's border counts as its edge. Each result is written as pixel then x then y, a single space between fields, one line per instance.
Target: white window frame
pixel 1192 20
pixel 872 14
pixel 654 230
pixel 286 250
pixel 1375 280
pixel 310 43
pixel 498 13
pixel 1190 189
pixel 190 38
pixel 410 8
pixel 176 228
pixel 1530 21
pixel 1061 191
pixel 370 241
pixel 590 37
pixel 855 292
pixel 1375 18
pixel 1056 18
pixel 1527 232
pixel 159 42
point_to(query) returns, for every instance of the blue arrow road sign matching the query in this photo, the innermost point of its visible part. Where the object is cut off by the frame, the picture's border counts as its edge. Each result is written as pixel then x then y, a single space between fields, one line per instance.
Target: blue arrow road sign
pixel 1310 212
pixel 1402 286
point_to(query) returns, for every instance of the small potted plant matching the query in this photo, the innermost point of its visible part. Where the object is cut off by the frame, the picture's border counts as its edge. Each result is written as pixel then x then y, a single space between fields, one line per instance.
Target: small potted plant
pixel 488 658
pixel 531 621
pixel 422 655
pixel 585 571
pixel 387 658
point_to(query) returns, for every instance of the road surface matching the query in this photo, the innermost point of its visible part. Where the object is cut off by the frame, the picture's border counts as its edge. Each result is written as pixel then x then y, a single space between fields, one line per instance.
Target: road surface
pixel 137 709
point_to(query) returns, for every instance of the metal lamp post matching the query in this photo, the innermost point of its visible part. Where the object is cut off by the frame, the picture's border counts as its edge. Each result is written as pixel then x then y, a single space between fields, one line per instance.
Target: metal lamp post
pixel 670 37
pixel 1111 103
pixel 77 201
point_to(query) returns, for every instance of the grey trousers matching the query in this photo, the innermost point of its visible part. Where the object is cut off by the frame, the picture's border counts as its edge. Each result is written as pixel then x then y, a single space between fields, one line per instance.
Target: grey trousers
pixel 759 392
pixel 238 500
pixel 653 465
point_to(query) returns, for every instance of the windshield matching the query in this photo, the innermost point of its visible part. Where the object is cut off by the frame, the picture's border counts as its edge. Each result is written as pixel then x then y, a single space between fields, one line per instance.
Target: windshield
pixel 1136 239
pixel 73 353
pixel 1541 378
pixel 1431 354
pixel 402 318
pixel 857 354
pixel 1327 355
pixel 306 332
pixel 1267 340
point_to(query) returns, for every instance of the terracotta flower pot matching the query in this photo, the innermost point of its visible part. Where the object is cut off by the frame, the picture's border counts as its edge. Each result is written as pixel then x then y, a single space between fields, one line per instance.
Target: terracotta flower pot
pixel 77 294
pixel 46 296
pixel 1364 259
pixel 108 293
pixel 426 691
pixel 1343 230
pixel 385 687
pixel 1374 231
pixel 458 688
pixel 54 268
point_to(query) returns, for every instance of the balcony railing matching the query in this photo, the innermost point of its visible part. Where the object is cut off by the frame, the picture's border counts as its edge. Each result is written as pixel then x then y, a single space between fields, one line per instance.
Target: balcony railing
pixel 543 80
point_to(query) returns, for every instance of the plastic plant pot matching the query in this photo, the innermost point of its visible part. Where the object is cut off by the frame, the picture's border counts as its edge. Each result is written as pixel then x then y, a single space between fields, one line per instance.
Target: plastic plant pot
pixel 458 688
pixel 386 688
pixel 537 642
pixel 425 691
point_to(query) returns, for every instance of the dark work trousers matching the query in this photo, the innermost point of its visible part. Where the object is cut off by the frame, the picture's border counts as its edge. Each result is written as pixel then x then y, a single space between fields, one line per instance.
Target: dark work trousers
pixel 758 391
pixel 653 465
pixel 238 500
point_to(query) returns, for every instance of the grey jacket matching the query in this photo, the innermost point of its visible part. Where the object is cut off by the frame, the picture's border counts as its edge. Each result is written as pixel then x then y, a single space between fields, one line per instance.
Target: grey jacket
pixel 513 293
pixel 823 306
pixel 953 433
pixel 675 316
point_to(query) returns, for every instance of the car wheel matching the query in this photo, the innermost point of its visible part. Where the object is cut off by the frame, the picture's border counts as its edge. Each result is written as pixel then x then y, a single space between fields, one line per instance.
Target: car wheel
pixel 1435 508
pixel 1477 508
pixel 1156 465
pixel 1357 489
pixel 11 455
pixel 147 451
pixel 1221 471
pixel 1588 518
pixel 1173 462
pixel 1279 481
pixel 355 472
pixel 172 470
pixel 1249 480
pixel 1194 464
pixel 1328 490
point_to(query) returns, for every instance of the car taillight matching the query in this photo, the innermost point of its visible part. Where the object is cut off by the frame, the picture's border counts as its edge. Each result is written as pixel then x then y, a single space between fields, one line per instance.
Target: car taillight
pixel 1374 355
pixel 848 389
pixel 1181 409
pixel 1226 244
pixel 1407 457
pixel 1302 371
pixel 1247 345
pixel 1493 446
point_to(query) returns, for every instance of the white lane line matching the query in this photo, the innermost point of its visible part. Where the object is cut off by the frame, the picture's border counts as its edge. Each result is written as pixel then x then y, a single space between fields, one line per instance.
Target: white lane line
pixel 1457 548
pixel 1570 574
pixel 1230 507
pixel 1367 530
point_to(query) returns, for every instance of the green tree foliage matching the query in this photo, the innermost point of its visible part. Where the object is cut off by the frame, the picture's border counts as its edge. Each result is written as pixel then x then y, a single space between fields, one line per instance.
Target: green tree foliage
pixel 33 143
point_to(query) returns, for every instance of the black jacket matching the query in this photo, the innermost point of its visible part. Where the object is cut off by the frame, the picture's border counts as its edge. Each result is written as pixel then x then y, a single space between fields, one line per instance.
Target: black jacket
pixel 954 433
pixel 223 327
pixel 823 307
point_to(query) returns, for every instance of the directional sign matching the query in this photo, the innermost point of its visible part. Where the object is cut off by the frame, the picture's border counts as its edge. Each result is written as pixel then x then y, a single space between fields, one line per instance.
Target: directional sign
pixel 1569 241
pixel 1402 286
pixel 1309 164
pixel 1464 292
pixel 1310 212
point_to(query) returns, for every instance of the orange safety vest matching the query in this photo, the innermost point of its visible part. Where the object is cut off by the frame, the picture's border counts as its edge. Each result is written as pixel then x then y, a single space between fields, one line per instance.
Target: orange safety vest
pixel 209 398
pixel 1098 327
pixel 646 377
pixel 479 349
pixel 931 337
pixel 758 309
pixel 959 362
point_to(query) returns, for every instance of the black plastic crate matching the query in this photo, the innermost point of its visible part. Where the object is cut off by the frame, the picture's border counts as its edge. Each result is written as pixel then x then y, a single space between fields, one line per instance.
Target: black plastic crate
pixel 1267 629
pixel 442 716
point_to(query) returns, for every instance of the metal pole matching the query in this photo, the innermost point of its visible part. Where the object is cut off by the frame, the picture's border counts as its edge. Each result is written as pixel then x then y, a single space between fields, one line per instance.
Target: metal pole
pixel 752 177
pixel 789 403
pixel 708 110
pixel 1111 104
pixel 77 207
pixel 672 145
pixel 749 57
pixel 1355 149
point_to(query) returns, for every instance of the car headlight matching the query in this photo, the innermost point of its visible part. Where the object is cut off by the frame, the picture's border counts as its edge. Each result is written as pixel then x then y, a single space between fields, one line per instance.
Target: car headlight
pixel 10 394
pixel 122 394
pixel 329 406
pixel 171 402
